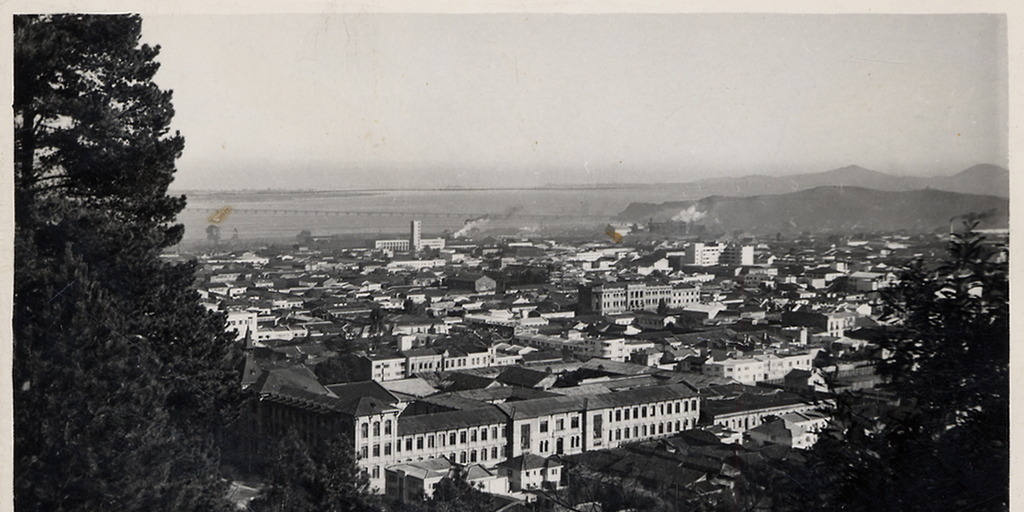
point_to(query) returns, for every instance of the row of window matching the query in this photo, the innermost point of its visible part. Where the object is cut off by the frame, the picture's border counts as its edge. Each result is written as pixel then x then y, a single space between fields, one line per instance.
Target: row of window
pixel 642 411
pixel 654 429
pixel 574 422
pixel 364 429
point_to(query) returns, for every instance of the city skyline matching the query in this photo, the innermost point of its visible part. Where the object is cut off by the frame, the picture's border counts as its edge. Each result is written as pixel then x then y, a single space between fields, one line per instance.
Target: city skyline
pixel 365 101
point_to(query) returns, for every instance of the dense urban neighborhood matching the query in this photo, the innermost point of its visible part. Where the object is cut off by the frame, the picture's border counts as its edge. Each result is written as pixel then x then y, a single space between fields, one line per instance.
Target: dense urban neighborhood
pixel 553 341
pixel 532 365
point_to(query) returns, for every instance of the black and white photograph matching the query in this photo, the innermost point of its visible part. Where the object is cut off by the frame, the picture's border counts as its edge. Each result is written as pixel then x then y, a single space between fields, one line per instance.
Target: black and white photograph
pixel 545 257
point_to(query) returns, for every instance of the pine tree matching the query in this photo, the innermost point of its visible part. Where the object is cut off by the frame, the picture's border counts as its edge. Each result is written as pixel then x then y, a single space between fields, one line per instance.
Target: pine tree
pixel 120 375
pixel 946 445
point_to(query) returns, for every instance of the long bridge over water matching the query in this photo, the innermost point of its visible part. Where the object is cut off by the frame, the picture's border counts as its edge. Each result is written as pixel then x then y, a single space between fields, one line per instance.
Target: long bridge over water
pixel 446 215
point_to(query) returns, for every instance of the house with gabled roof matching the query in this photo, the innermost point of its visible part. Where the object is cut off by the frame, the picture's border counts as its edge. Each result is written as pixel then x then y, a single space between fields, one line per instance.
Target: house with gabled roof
pixel 529 472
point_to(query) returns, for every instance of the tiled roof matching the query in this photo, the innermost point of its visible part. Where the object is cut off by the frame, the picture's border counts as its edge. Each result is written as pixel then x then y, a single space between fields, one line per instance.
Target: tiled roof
pixel 450 420
pixel 751 402
pixel 363 398
pixel 529 461
pixel 523 377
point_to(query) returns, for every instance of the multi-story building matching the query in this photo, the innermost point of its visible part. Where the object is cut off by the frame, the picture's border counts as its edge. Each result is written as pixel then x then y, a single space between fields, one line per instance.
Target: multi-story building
pixel 702 255
pixel 709 255
pixel 383 367
pixel 746 411
pixel 612 298
pixel 415 242
pixel 383 436
pixel 751 370
pixel 737 255
pixel 242 322
pixel 584 348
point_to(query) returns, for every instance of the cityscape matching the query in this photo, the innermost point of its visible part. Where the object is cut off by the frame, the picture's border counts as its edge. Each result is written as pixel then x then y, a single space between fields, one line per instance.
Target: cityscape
pixel 511 262
pixel 513 358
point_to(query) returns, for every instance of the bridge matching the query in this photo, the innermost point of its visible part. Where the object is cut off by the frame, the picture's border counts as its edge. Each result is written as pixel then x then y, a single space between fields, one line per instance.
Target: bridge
pixel 446 215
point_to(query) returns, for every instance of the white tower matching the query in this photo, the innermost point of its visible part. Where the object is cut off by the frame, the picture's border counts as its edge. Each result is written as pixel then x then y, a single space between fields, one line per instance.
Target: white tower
pixel 414 236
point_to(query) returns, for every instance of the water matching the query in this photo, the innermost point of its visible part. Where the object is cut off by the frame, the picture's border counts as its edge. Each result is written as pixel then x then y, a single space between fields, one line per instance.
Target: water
pixel 389 212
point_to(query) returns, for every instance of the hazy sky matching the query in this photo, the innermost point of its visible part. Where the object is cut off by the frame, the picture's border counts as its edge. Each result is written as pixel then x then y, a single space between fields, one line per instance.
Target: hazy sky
pixel 433 100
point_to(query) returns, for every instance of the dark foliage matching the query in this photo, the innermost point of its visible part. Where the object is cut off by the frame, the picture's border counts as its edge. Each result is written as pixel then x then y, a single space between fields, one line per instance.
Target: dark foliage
pixel 318 477
pixel 945 444
pixel 122 379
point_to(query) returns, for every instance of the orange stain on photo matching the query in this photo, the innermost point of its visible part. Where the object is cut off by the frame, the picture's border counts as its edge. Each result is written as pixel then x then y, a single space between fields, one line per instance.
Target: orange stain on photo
pixel 220 215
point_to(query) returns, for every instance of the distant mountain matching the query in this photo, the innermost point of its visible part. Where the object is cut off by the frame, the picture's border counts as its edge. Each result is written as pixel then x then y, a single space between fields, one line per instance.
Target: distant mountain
pixel 980 179
pixel 826 209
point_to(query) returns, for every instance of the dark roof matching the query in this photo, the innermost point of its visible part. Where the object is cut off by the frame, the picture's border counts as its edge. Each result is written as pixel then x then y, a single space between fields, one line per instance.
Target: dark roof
pixel 450 420
pixel 544 406
pixel 419 352
pixel 363 398
pixel 529 461
pixel 641 396
pixel 454 401
pixel 615 367
pixel 523 377
pixel 505 394
pixel 752 402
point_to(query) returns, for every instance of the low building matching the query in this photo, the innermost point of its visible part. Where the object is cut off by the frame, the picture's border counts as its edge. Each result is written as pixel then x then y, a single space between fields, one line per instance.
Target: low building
pixel 529 472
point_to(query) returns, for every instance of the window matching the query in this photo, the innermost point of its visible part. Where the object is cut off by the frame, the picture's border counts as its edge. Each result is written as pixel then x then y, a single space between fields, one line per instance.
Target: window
pixel 430 441
pixel 483 454
pixel 483 434
pixel 364 429
pixel 472 456
pixel 387 428
pixel 494 452
pixel 627 414
pixel 408 444
pixel 524 436
pixel 451 440
pixel 574 422
pixel 636 412
pixel 643 412
pixel 544 426
pixel 398 445
pixel 364 451
pixel 618 415
pixel 376 428
pixel 387 449
pixel 597 425
pixel 686 406
pixel 627 433
pixel 693 404
pixel 419 443
pixel 376 450
pixel 560 424
pixel 462 437
pixel 661 428
pixel 618 434
pixel 462 457
pixel 472 435
pixel 494 432
pixel 376 471
pixel 662 409
pixel 645 430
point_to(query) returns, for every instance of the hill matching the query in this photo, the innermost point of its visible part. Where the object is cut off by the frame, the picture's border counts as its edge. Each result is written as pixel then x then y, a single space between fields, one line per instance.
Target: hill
pixel 982 179
pixel 826 209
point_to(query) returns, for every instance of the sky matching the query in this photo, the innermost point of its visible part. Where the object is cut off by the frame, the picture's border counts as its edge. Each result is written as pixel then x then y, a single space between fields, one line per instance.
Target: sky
pixel 364 100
